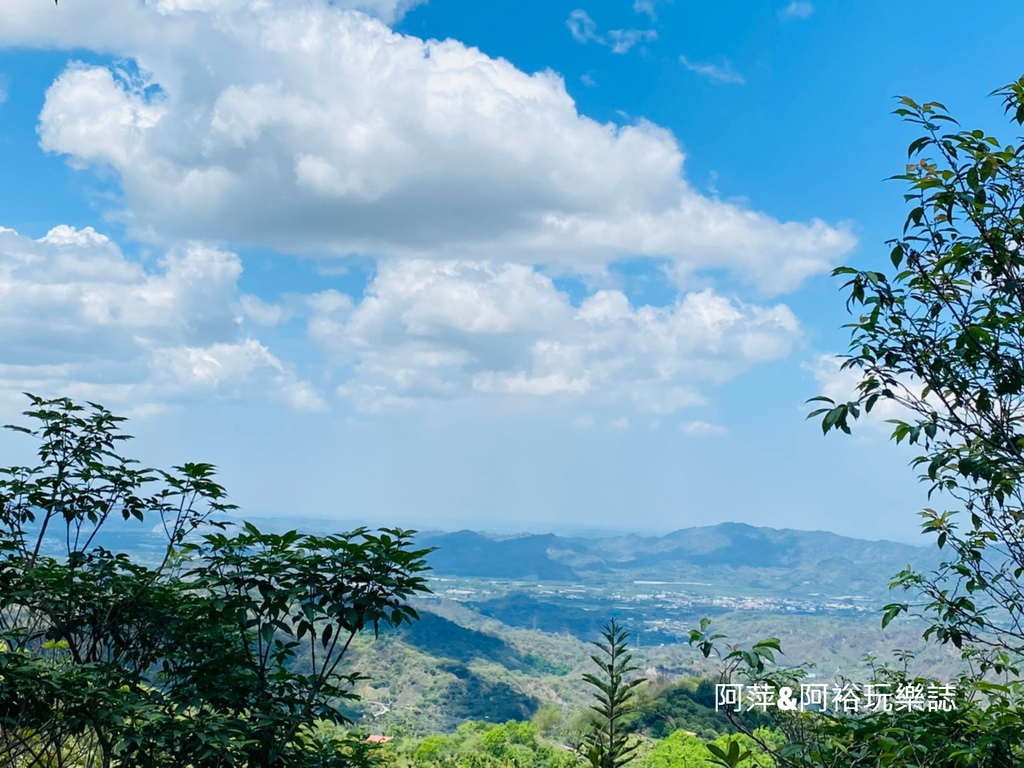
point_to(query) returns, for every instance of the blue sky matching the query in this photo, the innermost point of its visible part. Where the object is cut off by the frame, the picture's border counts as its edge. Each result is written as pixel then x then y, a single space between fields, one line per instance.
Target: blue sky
pixel 526 265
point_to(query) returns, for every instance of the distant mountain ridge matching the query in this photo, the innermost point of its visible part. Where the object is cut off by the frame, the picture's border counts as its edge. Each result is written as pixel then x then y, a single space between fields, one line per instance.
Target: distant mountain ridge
pixel 735 551
pixel 784 562
pixel 466 553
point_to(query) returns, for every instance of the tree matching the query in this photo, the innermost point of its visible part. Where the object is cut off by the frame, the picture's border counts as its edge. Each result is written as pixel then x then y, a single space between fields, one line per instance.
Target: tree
pixel 547 719
pixel 939 343
pixel 607 744
pixel 943 341
pixel 225 648
pixel 682 749
pixel 486 745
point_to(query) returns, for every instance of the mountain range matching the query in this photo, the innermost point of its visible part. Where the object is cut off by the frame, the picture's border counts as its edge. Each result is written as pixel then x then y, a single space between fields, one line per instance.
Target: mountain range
pixel 784 562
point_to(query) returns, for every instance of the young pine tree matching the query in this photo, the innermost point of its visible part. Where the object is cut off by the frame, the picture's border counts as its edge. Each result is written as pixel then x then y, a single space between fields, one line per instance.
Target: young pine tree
pixel 607 745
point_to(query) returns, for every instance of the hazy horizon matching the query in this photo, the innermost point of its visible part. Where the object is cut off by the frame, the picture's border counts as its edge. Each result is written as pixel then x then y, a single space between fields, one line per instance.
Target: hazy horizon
pixel 510 529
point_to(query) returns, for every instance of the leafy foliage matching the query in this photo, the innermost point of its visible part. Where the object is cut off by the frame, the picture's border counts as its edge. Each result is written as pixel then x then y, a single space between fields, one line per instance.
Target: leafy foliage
pixel 941 344
pixel 682 749
pixel 688 705
pixel 520 745
pixel 943 340
pixel 481 745
pixel 227 652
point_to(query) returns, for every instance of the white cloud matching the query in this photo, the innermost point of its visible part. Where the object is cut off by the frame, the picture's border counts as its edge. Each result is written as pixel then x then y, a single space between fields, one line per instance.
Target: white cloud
pixel 77 317
pixel 109 119
pixel 236 371
pixel 648 7
pixel 621 40
pixel 797 9
pixel 307 127
pixel 584 30
pixel 388 11
pixel 260 312
pixel 301 126
pixel 432 331
pixel 716 73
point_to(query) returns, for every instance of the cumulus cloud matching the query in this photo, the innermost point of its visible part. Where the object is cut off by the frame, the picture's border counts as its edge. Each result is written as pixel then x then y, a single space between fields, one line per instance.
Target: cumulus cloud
pixel 313 127
pixel 716 73
pixel 78 317
pixel 433 331
pixel 388 11
pixel 233 370
pixel 308 127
